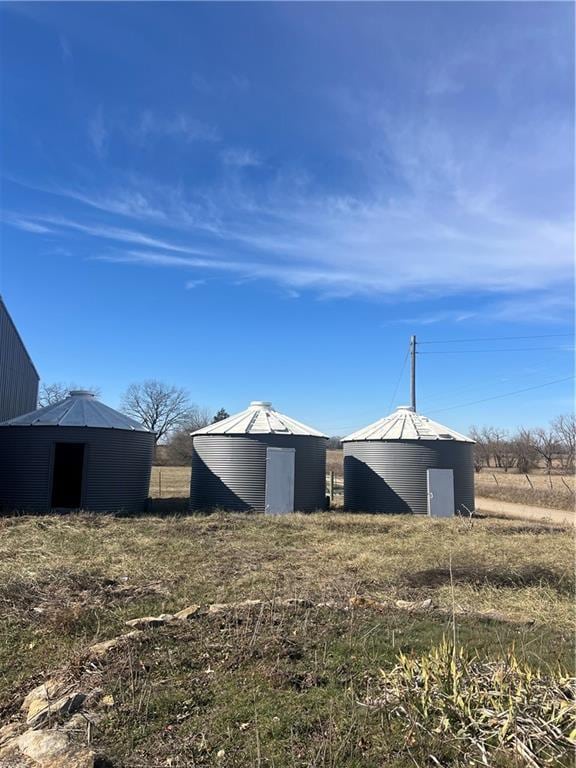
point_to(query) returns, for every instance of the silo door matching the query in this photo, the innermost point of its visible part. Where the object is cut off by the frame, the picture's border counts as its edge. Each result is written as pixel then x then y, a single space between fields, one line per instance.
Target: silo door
pixel 67 476
pixel 280 480
pixel 440 492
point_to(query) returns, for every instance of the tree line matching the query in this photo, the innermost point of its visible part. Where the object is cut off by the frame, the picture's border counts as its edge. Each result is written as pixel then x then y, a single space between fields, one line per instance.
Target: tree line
pixel 551 447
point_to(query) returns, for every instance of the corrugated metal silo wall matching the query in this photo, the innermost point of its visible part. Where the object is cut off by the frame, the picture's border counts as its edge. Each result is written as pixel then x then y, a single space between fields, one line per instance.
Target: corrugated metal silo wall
pixel 18 377
pixel 229 471
pixel 390 476
pixel 117 467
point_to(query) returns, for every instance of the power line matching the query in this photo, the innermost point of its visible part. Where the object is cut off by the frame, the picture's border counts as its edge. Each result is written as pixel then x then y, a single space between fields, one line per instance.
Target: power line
pixel 399 380
pixel 496 349
pixel 477 388
pixel 506 394
pixel 497 338
pixel 350 427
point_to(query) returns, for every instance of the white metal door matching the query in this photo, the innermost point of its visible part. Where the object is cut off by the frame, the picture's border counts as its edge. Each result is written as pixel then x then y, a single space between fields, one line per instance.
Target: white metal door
pixel 440 492
pixel 280 480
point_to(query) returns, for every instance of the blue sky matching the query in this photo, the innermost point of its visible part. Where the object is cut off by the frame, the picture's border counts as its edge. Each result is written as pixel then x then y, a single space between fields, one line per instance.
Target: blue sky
pixel 263 201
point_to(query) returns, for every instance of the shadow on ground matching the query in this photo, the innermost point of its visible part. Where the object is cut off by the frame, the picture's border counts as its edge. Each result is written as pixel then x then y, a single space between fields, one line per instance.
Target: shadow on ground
pixel 527 576
pixel 172 506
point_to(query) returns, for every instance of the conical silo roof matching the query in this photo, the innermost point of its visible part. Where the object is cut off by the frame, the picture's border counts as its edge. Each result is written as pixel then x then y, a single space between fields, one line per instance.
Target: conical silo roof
pixel 259 418
pixel 80 409
pixel 406 424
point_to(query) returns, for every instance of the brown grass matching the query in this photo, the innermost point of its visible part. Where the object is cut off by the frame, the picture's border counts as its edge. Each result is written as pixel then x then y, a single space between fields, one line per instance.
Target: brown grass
pixel 170 482
pixel 105 562
pixel 334 462
pixel 540 490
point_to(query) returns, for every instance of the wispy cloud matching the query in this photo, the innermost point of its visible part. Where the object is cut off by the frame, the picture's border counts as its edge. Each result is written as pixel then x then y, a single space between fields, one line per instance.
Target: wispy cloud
pixel 535 307
pixel 552 307
pixel 240 158
pixel 220 86
pixel 434 318
pixel 181 125
pixel 191 284
pixel 98 133
pixel 126 201
pixel 147 126
pixel 39 224
pixel 447 212
pixel 65 49
pixel 344 247
pixel 26 225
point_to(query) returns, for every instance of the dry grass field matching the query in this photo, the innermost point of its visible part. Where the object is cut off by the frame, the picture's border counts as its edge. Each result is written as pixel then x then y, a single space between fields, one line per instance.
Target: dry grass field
pixel 538 489
pixel 330 679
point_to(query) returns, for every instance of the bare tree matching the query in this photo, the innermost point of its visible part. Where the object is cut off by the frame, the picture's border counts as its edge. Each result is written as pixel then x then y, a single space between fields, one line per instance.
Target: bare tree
pixel 564 427
pixel 481 450
pixel 526 449
pixel 546 445
pixel 160 407
pixel 50 394
pixel 179 444
pixel 496 446
pixel 522 446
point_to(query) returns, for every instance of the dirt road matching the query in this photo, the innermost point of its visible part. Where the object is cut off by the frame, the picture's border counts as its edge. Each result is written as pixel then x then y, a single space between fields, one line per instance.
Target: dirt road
pixel 524 512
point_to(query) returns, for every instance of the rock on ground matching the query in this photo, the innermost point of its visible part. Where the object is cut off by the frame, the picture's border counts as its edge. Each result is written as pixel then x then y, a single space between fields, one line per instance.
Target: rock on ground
pixel 45 749
pixel 101 649
pixel 187 613
pixel 150 621
pixel 40 710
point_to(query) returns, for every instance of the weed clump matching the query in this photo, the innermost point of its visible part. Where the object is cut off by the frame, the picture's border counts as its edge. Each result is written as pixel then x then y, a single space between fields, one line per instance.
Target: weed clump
pixel 486 707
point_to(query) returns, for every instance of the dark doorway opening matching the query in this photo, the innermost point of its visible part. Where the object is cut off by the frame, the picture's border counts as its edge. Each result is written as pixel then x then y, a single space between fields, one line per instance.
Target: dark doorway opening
pixel 67 476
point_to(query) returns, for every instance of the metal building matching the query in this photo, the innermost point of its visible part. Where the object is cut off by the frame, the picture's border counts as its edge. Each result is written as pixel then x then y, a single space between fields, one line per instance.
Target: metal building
pixel 388 465
pixel 18 376
pixel 259 460
pixel 77 454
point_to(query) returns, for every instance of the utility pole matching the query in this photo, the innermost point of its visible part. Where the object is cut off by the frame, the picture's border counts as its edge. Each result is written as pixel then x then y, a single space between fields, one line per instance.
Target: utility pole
pixel 413 372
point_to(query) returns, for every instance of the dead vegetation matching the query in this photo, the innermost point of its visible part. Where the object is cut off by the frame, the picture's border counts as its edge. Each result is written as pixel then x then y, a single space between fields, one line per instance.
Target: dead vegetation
pixel 58 597
pixel 554 491
pixel 486 707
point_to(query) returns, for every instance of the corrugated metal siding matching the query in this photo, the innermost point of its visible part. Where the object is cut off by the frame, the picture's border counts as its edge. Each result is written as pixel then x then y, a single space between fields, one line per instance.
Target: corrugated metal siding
pixel 230 471
pixel 384 476
pixel 18 377
pixel 117 467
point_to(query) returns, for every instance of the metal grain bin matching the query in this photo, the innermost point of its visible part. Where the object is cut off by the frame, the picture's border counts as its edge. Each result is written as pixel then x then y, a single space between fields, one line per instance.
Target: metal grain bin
pixel 18 376
pixel 235 461
pixel 386 463
pixel 78 454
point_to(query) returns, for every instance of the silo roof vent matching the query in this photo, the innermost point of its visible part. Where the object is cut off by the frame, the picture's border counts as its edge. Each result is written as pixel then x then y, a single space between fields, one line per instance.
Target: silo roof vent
pixel 259 418
pixel 405 424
